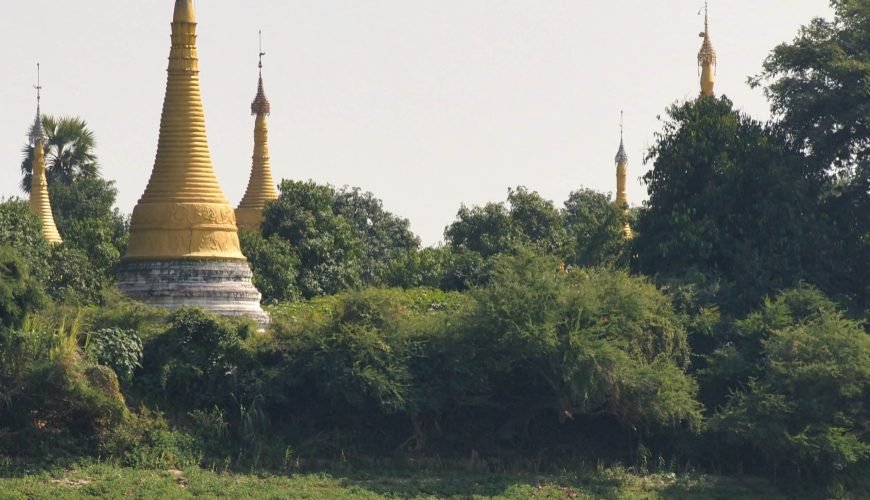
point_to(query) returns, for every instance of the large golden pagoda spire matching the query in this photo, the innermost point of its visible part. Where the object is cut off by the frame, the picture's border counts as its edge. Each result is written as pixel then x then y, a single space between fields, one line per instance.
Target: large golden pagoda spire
pixel 621 161
pixel 184 246
pixel 707 58
pixel 261 186
pixel 183 213
pixel 40 203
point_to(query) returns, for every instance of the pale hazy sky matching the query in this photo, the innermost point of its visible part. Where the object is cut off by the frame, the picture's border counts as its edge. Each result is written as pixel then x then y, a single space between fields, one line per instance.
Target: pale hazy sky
pixel 428 104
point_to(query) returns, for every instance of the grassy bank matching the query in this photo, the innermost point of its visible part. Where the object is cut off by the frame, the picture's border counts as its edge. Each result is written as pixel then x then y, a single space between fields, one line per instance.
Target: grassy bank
pixel 104 481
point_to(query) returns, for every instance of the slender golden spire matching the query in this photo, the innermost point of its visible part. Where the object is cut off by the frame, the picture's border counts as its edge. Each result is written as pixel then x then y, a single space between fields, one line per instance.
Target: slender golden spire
pixel 622 175
pixel 261 186
pixel 183 213
pixel 621 164
pixel 707 58
pixel 40 203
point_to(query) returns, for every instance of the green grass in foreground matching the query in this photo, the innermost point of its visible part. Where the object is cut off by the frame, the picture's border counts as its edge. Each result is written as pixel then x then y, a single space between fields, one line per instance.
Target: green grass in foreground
pixel 104 481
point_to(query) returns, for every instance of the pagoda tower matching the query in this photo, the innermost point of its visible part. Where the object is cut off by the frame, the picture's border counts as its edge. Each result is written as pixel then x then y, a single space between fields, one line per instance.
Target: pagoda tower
pixel 707 58
pixel 261 186
pixel 184 246
pixel 621 179
pixel 40 204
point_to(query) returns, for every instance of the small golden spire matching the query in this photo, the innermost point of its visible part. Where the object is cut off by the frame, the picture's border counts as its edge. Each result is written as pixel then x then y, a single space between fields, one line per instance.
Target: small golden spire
pixel 622 175
pixel 707 57
pixel 261 186
pixel 40 203
pixel 621 164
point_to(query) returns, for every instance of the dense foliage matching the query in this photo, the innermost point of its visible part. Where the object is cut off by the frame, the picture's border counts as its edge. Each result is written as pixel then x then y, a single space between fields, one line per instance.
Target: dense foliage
pixel 765 239
pixel 341 238
pixel 817 87
pixel 801 377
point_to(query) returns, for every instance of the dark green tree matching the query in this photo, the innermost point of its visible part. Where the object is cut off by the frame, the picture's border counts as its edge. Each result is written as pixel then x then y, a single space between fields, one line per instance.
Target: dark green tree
pixel 425 267
pixel 801 373
pixel 20 293
pixel 538 221
pixel 275 264
pixel 342 238
pixel 329 249
pixel 594 227
pixel 525 219
pixel 385 236
pixel 87 219
pixel 728 199
pixel 20 229
pixel 486 230
pixel 817 87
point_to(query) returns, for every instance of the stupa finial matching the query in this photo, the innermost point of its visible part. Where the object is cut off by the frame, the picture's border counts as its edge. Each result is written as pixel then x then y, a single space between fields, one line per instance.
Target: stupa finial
pixel 261 53
pixel 37 133
pixel 621 156
pixel 707 59
pixel 260 105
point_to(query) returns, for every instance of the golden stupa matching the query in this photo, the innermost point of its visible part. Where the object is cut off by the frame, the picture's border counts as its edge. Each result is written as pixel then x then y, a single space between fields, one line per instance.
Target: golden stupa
pixel 40 203
pixel 261 186
pixel 184 246
pixel 183 213
pixel 621 181
pixel 707 59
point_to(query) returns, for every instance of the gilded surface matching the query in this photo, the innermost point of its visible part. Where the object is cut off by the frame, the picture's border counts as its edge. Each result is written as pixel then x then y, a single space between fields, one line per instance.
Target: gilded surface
pixel 249 218
pixel 183 213
pixel 621 182
pixel 40 204
pixel 621 177
pixel 707 60
pixel 261 186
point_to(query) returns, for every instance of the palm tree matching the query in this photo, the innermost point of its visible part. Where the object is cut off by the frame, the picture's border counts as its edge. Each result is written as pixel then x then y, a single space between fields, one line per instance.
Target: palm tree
pixel 69 152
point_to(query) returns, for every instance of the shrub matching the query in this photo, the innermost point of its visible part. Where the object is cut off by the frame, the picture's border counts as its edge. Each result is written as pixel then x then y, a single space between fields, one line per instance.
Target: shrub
pixel 21 230
pixel 274 263
pixel 356 350
pixel 52 401
pixel 576 344
pixel 195 364
pixel 20 294
pixel 803 410
pixel 118 349
pixel 73 278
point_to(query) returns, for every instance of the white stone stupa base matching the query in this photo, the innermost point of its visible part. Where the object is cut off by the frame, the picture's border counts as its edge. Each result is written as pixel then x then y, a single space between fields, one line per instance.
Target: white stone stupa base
pixel 223 287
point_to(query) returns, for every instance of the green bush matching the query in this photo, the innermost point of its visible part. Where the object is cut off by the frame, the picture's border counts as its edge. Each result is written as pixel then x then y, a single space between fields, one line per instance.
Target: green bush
pixel 569 344
pixel 118 349
pixel 195 364
pixel 357 355
pixel 274 263
pixel 73 278
pixel 53 402
pixel 21 230
pixel 801 406
pixel 20 294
